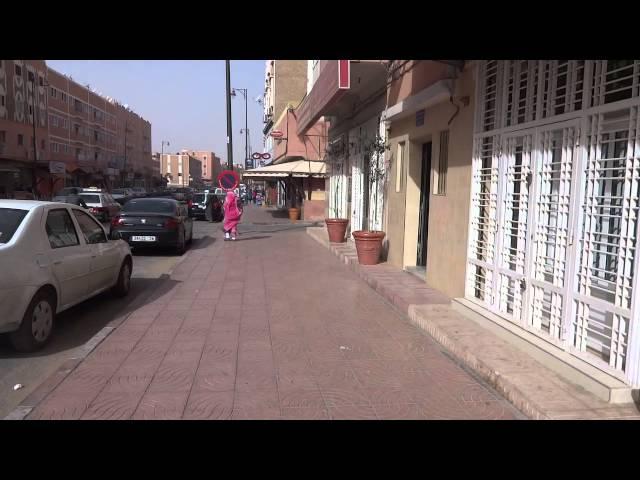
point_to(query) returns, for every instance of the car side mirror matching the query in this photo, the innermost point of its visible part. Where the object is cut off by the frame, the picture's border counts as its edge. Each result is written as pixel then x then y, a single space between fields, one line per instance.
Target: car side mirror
pixel 115 235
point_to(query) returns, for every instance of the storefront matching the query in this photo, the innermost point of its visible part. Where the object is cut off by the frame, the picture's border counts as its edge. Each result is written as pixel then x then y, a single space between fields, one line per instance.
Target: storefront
pixel 555 199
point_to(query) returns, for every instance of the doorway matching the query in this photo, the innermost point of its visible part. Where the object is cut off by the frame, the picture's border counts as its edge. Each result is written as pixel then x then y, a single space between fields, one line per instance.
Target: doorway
pixel 423 218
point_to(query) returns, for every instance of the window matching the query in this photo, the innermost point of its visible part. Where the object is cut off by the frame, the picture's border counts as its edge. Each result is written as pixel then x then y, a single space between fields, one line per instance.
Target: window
pixel 92 230
pixel 10 220
pixel 53 92
pixel 440 174
pixel 42 144
pixel 63 97
pixel 54 147
pixel 31 77
pixel 400 160
pixel 41 81
pixel 20 139
pixel 18 70
pixel 60 229
pixel 3 136
pixel 2 100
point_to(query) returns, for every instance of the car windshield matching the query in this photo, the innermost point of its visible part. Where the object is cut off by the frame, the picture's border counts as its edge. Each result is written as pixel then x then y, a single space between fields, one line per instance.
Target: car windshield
pixel 151 206
pixel 198 198
pixel 10 220
pixel 90 198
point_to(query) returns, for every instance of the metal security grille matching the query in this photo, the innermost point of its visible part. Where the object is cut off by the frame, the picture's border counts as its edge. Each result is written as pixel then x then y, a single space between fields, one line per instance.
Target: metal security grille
pixel 609 237
pixel 515 177
pixel 490 105
pixel 554 169
pixel 614 80
pixel 563 86
pixel 484 208
pixel 521 91
pixel 555 202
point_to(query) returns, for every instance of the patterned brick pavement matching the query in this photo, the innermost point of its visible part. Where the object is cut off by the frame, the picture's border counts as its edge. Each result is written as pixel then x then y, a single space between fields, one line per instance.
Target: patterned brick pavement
pixel 268 327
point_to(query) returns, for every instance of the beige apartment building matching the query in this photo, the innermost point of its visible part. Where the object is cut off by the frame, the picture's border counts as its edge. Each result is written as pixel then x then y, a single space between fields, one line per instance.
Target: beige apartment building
pixel 211 165
pixel 181 169
pixel 83 137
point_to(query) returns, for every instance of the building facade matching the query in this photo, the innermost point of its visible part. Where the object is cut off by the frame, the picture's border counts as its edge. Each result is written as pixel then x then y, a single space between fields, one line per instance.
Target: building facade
pixel 285 87
pixel 513 186
pixel 97 140
pixel 23 122
pixel 181 169
pixel 211 165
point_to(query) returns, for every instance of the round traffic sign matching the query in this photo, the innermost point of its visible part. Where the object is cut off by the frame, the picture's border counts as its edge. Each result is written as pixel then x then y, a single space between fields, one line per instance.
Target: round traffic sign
pixel 228 180
pixel 266 156
pixel 256 156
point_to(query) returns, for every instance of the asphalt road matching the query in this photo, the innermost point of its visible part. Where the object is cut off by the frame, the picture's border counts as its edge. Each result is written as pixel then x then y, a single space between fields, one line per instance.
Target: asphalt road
pixel 77 325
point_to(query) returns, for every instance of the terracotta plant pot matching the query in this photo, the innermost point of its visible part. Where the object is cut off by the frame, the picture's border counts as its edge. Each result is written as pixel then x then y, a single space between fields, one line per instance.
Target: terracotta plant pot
pixel 368 246
pixel 336 227
pixel 294 214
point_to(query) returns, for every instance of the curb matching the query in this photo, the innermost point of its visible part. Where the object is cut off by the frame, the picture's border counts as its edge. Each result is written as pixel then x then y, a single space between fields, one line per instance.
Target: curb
pixel 32 400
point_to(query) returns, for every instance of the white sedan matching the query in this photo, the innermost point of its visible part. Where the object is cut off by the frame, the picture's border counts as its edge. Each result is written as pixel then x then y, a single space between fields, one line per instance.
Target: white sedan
pixel 53 256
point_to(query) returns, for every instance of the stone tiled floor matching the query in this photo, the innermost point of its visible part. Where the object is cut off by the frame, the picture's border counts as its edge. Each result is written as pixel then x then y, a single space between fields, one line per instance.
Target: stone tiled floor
pixel 268 327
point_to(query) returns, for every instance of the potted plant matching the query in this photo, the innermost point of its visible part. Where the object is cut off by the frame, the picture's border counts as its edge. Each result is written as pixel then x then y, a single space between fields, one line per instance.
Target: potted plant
pixel 336 226
pixel 294 211
pixel 369 242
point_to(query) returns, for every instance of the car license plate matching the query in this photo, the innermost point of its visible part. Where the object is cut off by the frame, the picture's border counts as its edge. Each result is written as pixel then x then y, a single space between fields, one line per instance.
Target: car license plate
pixel 136 238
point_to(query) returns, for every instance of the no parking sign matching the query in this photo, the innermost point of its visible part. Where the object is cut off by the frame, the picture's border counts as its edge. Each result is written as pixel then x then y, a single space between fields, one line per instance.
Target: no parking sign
pixel 228 180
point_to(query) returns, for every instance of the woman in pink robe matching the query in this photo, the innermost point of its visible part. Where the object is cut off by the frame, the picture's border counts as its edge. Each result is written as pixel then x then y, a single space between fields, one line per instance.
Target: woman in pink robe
pixel 232 216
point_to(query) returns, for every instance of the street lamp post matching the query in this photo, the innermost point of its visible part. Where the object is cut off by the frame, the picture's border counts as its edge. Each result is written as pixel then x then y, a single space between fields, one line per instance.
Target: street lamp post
pixel 164 142
pixel 229 128
pixel 246 123
pixel 34 183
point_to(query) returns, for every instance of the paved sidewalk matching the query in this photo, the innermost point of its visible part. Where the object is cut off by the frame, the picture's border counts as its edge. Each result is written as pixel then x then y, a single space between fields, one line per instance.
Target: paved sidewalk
pixel 506 363
pixel 268 327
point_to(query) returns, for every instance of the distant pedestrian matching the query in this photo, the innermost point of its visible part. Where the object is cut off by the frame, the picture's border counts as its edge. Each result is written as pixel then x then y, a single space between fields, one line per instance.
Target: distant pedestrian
pixel 232 216
pixel 208 207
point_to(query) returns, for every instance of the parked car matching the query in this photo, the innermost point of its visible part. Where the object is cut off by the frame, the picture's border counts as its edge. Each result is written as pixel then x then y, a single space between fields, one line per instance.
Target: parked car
pixel 122 195
pixel 154 222
pixel 139 191
pixel 101 204
pixel 198 209
pixel 53 256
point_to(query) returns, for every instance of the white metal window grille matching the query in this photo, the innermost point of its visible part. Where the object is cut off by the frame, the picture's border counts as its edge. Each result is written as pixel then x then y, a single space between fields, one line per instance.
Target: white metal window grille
pixel 483 219
pixel 489 108
pixel 578 253
pixel 521 91
pixel 614 80
pixel 563 84
pixel 515 176
pixel 553 169
pixel 609 236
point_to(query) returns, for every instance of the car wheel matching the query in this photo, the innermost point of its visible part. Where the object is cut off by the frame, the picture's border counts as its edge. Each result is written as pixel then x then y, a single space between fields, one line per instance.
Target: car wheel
pixel 37 323
pixel 180 248
pixel 122 287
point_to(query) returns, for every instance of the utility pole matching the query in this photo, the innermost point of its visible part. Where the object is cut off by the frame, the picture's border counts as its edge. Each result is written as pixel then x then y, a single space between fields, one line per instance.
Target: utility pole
pixel 229 127
pixel 34 183
pixel 124 166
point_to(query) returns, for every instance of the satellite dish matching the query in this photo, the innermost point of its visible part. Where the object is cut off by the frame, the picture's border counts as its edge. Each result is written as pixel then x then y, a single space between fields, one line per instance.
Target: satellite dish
pixel 126 105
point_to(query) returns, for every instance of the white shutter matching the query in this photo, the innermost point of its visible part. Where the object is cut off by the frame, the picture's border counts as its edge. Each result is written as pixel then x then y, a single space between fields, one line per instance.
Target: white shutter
pixel 608 242
pixel 554 170
pixel 483 219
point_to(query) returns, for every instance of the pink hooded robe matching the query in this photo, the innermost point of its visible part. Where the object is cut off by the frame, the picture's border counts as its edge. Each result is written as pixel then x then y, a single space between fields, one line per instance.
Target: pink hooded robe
pixel 232 212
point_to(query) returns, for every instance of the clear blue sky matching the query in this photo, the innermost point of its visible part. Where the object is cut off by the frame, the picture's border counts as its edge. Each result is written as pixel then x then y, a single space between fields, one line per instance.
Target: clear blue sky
pixel 183 99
